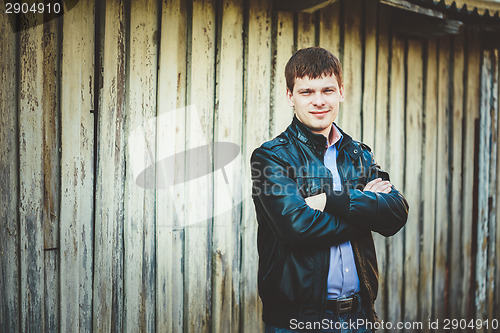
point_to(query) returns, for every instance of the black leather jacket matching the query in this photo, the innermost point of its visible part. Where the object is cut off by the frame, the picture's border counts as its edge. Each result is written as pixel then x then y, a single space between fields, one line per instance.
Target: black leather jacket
pixel 293 239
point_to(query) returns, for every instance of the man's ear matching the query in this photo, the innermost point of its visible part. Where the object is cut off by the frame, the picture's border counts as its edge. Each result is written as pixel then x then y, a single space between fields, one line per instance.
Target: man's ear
pixel 341 90
pixel 289 97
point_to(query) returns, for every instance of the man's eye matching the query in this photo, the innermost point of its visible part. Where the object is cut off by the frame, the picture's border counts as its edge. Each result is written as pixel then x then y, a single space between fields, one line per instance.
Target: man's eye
pixel 329 91
pixel 305 92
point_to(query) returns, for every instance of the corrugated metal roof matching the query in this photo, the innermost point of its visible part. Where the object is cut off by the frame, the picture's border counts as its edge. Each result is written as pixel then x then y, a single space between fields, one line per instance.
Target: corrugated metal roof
pixel 484 8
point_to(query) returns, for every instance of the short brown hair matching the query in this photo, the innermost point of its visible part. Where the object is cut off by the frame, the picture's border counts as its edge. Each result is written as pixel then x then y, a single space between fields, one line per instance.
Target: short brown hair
pixel 313 62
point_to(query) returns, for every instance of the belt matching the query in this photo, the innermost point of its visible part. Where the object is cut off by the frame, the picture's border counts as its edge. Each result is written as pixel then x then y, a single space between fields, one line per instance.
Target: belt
pixel 343 305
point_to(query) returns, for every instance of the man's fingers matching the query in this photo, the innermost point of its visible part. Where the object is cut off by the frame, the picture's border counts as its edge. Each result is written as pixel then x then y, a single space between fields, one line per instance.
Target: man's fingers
pixel 372 184
pixel 388 190
pixel 378 186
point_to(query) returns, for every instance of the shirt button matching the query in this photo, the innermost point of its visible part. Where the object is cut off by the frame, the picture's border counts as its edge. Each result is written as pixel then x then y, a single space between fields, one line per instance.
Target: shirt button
pixel 347 270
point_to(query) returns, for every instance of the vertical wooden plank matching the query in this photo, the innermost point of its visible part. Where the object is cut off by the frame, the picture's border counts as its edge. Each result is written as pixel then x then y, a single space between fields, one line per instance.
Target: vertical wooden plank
pixel 170 232
pixel 483 194
pixel 282 113
pixel 442 182
pixel 492 196
pixel 396 168
pixel 108 307
pixel 51 172
pixel 380 147
pixel 330 28
pixel 370 73
pixel 226 242
pixel 201 88
pixel 255 132
pixel 139 232
pixel 456 269
pixel 306 31
pixel 350 115
pixel 429 185
pixel 497 235
pixel 487 187
pixel 471 117
pixel 9 177
pixel 413 175
pixel 52 307
pixel 77 138
pixel 31 176
pixel 51 122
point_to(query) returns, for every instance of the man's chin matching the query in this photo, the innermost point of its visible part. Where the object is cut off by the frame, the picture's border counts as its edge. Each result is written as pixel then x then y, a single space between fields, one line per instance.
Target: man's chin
pixel 316 128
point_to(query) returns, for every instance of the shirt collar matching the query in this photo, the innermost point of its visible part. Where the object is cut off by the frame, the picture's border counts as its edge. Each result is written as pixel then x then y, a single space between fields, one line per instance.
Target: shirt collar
pixel 335 136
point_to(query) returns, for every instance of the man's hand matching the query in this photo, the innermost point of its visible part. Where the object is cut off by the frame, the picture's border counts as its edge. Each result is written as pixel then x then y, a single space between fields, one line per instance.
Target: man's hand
pixel 317 201
pixel 379 186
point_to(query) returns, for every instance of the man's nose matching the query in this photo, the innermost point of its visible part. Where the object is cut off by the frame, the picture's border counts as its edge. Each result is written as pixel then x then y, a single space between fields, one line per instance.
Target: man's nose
pixel 318 99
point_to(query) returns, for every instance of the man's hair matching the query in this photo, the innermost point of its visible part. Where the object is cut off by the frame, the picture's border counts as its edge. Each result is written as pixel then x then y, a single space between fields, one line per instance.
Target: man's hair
pixel 313 62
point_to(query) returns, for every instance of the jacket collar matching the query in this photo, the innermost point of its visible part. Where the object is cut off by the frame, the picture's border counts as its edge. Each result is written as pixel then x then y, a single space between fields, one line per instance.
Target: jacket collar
pixel 317 141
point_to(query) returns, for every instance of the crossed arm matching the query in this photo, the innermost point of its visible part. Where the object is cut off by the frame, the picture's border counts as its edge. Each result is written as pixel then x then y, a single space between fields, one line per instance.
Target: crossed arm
pixel 378 185
pixel 379 207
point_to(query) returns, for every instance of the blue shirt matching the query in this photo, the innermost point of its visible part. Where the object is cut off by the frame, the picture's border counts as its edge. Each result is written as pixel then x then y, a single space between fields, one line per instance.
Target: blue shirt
pixel 342 275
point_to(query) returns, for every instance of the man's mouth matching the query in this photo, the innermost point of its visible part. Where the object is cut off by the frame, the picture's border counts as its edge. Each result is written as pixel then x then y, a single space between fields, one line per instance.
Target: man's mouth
pixel 319 112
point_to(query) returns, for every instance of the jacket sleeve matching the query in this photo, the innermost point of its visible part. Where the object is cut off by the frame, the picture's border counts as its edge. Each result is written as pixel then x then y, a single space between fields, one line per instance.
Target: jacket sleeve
pixel 385 213
pixel 278 200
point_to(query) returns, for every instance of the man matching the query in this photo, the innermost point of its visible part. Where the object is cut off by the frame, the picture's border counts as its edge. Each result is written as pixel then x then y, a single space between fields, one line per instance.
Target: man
pixel 318 195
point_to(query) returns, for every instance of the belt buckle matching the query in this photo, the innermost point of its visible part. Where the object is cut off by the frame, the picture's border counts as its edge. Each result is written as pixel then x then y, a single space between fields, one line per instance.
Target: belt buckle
pixel 345 305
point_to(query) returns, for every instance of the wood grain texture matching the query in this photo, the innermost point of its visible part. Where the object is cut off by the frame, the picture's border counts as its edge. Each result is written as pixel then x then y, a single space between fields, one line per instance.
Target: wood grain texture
pixel 442 182
pixel 256 130
pixel 456 268
pixel 30 179
pixel 108 288
pixel 171 128
pixel 484 181
pixel 198 241
pixel 350 114
pixel 139 201
pixel 472 104
pixel 413 176
pixel 282 113
pixel 380 149
pixel 51 136
pixel 52 307
pixel 330 29
pixel 492 195
pixel 226 241
pixel 306 30
pixel 429 184
pixel 496 307
pixel 487 186
pixel 9 177
pixel 51 171
pixel 77 151
pixel 396 170
pixel 369 74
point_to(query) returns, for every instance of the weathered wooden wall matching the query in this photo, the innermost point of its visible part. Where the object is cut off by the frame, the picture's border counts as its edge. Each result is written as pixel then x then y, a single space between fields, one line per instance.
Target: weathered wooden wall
pixel 110 86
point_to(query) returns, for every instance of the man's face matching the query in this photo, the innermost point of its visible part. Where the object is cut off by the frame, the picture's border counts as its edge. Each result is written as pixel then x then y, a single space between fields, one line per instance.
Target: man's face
pixel 316 102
